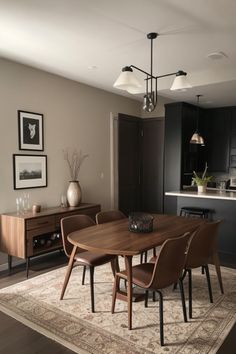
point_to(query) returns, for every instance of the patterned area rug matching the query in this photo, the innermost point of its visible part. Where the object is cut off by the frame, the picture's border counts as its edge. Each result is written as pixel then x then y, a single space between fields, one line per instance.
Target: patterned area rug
pixel 35 302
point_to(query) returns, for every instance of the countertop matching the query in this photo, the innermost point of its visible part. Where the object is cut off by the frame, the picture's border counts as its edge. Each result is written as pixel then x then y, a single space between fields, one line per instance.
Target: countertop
pixel 210 194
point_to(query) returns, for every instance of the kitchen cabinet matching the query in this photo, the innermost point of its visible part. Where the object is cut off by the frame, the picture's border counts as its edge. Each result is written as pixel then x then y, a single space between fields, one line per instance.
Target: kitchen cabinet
pixel 232 161
pixel 217 127
pixel 181 157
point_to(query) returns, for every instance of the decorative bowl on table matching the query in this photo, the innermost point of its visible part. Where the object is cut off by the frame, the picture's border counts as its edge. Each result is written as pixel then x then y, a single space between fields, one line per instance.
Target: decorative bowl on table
pixel 140 222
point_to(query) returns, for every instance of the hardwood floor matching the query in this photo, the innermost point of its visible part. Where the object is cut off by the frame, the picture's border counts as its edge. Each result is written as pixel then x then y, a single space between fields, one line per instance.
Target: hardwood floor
pixel 20 339
pixel 16 337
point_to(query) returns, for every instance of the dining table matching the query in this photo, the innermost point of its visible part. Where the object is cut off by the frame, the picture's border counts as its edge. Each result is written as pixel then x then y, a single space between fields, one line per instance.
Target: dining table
pixel 115 238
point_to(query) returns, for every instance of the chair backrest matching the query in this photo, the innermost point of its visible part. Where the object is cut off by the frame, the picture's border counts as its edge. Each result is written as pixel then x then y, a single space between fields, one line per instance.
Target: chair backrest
pixel 202 245
pixel 109 215
pixel 170 262
pixel 70 224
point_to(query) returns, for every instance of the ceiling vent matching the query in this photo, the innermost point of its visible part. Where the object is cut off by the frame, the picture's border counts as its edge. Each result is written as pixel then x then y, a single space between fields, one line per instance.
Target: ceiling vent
pixel 217 55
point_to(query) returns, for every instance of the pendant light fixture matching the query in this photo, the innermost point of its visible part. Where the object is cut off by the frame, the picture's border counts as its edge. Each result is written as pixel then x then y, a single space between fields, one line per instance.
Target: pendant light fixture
pixel 128 82
pixel 197 138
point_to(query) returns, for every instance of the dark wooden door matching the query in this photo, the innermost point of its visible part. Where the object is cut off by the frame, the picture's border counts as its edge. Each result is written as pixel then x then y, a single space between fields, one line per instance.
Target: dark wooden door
pixel 152 165
pixel 129 163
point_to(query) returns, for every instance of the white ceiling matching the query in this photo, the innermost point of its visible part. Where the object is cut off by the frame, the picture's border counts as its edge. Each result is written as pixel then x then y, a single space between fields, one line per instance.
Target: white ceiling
pixel 65 37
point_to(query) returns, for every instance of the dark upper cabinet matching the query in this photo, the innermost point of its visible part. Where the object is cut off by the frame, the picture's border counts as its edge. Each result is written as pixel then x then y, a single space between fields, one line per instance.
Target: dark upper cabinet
pixel 232 160
pixel 172 154
pixel 193 155
pixel 217 128
pixel 181 157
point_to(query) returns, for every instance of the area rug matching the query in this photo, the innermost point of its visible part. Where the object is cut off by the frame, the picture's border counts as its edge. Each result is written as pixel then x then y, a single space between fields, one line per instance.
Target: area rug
pixel 35 302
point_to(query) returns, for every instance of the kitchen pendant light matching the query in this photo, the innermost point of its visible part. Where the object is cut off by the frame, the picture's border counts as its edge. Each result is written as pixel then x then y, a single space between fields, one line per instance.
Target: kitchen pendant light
pixel 196 137
pixel 128 82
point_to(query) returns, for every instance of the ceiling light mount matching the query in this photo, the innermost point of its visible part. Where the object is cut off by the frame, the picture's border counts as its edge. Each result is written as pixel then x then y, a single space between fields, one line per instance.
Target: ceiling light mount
pixel 128 82
pixel 152 35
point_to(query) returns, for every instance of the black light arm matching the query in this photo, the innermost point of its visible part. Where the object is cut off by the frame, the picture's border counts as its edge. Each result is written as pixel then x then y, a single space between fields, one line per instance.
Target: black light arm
pixel 177 73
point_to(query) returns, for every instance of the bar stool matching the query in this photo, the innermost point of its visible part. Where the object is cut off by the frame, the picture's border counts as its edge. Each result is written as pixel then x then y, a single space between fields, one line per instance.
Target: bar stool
pixel 201 212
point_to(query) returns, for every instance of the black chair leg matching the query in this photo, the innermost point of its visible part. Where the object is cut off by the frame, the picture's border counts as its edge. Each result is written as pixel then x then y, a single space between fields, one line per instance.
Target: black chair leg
pixel 141 258
pixel 208 282
pixel 190 293
pixel 153 296
pixel 174 286
pixel 202 270
pixel 92 287
pixel 146 299
pixel 145 256
pixel 183 300
pixel 161 318
pixel 83 276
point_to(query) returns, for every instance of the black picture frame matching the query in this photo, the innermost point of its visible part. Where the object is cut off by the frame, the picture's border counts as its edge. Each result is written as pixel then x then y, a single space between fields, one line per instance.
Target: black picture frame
pixel 30 131
pixel 29 171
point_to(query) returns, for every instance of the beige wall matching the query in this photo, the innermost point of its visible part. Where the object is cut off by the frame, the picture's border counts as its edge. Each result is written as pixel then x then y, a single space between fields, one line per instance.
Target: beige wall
pixel 75 115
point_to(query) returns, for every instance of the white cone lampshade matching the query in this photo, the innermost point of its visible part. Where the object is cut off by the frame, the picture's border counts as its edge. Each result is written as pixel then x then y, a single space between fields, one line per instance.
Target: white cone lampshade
pixel 180 83
pixel 127 81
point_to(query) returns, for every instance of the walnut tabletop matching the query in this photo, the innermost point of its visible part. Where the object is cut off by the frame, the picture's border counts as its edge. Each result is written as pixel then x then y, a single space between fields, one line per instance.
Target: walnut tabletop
pixel 115 238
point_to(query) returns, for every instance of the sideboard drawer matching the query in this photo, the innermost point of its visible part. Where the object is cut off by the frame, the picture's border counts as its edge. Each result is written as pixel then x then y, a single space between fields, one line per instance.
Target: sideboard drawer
pixel 43 229
pixel 46 221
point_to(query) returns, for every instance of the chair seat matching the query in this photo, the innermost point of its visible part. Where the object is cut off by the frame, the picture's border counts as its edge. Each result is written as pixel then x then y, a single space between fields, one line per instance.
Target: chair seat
pixel 93 259
pixel 141 274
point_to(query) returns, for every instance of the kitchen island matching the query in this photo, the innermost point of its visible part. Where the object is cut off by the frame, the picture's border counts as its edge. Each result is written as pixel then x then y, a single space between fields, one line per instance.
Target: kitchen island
pixel 222 205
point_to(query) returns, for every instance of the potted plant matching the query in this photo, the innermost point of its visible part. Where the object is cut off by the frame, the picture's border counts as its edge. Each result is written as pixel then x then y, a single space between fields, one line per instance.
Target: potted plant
pixel 202 181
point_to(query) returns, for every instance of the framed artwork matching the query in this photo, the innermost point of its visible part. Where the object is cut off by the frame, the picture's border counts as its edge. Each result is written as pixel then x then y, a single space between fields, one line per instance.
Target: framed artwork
pixel 30 171
pixel 30 126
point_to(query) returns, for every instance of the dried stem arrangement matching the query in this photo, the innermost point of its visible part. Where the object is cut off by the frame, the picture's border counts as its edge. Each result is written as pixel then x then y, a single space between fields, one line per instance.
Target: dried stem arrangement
pixel 74 161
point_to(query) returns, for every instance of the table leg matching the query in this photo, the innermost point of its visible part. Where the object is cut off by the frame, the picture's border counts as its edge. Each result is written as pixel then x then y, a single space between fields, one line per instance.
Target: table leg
pixel 128 265
pixel 68 272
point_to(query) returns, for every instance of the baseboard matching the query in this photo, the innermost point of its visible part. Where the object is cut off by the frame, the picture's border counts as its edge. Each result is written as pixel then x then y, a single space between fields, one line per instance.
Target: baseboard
pixel 17 262
pixel 227 259
pixel 4 266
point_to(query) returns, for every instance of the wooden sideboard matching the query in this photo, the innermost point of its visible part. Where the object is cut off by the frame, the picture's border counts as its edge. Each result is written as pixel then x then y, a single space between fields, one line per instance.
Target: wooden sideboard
pixel 29 235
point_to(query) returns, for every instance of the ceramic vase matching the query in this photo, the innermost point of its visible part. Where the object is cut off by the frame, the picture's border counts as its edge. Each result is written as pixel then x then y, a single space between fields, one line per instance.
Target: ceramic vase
pixel 201 189
pixel 74 193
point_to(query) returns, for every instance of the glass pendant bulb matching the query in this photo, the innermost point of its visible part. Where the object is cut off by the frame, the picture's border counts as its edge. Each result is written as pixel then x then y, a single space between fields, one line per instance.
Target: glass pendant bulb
pixel 148 104
pixel 196 137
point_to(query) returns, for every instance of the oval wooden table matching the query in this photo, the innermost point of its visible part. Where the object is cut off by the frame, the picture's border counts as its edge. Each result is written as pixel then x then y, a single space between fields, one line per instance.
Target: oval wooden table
pixel 115 238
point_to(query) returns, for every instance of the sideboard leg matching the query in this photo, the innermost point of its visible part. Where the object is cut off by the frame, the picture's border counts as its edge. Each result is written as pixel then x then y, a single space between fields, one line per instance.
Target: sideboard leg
pixel 9 264
pixel 27 266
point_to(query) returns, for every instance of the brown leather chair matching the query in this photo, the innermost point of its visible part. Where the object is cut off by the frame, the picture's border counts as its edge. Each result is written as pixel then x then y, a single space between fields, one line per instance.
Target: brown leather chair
pixel 202 251
pixel 166 270
pixel 109 215
pixel 82 258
